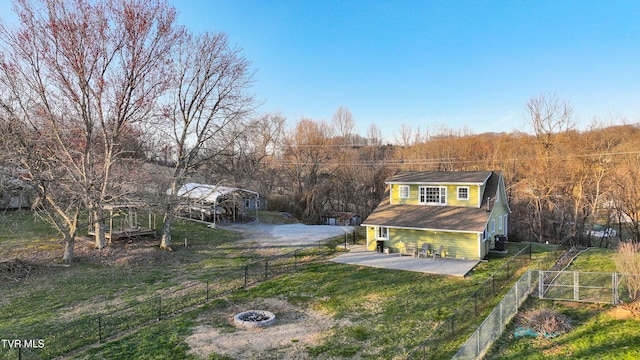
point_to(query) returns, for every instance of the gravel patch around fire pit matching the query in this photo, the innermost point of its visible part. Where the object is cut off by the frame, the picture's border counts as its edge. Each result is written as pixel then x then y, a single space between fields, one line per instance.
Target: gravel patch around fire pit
pixel 294 331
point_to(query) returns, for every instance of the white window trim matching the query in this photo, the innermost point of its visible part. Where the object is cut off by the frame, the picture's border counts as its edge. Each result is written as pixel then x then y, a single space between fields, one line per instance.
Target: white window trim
pixel 442 193
pixel 458 193
pixel 401 188
pixel 385 235
pixel 500 222
pixel 493 226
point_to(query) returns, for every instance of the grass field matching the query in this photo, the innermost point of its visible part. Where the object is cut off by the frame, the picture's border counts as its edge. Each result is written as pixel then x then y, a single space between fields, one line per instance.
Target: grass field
pixel 600 331
pixel 369 313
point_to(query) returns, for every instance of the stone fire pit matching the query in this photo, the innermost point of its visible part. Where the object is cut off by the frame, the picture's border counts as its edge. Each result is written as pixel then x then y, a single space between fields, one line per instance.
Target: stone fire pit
pixel 254 319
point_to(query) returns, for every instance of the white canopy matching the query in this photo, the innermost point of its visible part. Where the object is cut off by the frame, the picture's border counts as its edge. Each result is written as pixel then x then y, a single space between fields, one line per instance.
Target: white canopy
pixel 206 193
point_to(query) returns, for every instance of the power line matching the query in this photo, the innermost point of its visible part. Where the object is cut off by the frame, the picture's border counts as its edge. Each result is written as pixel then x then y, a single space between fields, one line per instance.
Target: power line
pixel 437 161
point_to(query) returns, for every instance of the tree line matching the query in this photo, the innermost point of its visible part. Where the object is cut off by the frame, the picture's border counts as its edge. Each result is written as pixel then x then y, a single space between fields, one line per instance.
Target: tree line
pixel 561 181
pixel 104 102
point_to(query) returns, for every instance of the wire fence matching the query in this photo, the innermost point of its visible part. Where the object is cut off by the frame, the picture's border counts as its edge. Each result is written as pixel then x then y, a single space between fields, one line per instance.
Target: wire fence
pixel 65 336
pixel 592 287
pixel 465 318
pixel 493 326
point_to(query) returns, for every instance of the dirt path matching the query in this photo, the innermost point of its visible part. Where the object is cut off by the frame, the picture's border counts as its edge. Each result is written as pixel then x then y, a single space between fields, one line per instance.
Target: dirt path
pixel 288 234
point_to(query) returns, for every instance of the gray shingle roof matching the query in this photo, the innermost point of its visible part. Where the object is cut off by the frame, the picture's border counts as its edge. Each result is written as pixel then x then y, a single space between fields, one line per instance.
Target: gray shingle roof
pixel 439 177
pixel 451 218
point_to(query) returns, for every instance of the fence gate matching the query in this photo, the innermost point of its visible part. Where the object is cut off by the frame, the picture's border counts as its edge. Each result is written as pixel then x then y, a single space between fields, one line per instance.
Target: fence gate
pixel 579 286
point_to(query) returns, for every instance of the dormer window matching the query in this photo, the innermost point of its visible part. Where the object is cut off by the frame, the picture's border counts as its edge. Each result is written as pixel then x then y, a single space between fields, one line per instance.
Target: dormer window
pixel 432 195
pixel 463 193
pixel 403 191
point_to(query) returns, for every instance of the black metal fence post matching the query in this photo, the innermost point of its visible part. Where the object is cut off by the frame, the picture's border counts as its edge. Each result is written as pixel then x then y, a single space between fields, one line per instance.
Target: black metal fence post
pixel 159 308
pixel 266 269
pixel 99 329
pixel 295 259
pixel 246 275
pixel 493 284
pixel 475 303
pixel 207 296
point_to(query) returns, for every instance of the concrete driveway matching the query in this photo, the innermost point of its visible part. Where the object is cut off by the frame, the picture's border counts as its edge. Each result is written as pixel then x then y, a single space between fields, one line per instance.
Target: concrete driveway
pixel 358 255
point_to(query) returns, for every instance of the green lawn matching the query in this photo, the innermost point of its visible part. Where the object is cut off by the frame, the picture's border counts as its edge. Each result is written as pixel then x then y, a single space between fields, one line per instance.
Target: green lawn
pixel 376 313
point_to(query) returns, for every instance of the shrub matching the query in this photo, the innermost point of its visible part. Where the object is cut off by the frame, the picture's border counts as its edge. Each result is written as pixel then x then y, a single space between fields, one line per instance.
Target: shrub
pixel 546 322
pixel 627 261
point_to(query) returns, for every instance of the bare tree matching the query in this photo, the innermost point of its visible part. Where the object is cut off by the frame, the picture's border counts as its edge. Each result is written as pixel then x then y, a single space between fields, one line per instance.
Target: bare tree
pixel 206 105
pixel 548 116
pixel 343 124
pixel 374 135
pixel 77 75
pixel 307 152
pixel 257 151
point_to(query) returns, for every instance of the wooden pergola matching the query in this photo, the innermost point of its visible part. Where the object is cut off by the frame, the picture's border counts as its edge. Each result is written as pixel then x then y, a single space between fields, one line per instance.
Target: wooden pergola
pixel 124 223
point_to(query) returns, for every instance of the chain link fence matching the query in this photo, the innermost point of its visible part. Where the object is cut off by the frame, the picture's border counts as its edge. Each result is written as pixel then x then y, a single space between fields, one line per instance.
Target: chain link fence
pixel 592 287
pixel 466 317
pixel 493 326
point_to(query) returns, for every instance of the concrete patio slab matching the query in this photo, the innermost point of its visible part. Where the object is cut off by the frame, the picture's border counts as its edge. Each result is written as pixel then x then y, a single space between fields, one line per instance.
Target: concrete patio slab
pixel 358 255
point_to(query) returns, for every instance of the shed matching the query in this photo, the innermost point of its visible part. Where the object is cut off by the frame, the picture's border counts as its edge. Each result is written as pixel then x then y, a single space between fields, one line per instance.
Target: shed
pixel 342 218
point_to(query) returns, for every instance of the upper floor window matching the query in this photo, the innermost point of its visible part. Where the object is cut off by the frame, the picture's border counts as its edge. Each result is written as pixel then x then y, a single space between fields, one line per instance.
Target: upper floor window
pixel 432 195
pixel 463 193
pixel 403 191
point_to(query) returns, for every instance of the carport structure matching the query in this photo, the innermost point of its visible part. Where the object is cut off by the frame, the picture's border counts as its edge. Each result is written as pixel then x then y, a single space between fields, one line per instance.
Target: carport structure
pixel 211 203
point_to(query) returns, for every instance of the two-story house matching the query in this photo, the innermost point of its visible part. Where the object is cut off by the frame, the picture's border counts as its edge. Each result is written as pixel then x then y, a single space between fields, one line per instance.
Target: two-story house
pixel 462 211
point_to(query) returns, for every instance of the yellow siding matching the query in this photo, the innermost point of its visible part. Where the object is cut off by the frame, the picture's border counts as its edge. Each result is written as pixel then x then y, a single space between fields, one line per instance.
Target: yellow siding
pixel 455 245
pixel 413 195
pixel 452 195
pixel 486 245
pixel 499 212
pixel 499 209
pixel 371 238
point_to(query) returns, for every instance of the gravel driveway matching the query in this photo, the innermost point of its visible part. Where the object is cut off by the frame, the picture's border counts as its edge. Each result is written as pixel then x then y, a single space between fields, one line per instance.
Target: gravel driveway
pixel 288 234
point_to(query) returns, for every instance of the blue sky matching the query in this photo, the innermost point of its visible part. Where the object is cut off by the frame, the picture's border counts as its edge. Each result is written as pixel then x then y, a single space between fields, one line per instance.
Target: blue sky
pixel 430 64
pixel 434 63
